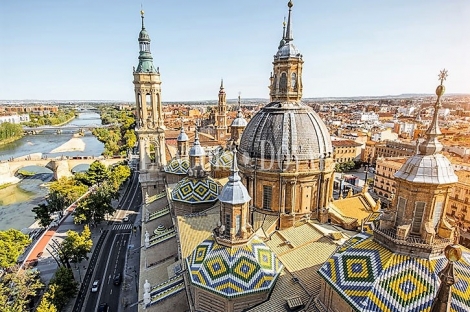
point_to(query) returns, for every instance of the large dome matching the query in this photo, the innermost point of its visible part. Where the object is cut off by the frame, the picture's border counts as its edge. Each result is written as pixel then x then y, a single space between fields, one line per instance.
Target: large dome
pixel 286 129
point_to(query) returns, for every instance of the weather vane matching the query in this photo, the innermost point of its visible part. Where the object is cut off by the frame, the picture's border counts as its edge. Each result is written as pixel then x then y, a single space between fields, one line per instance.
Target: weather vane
pixel 443 75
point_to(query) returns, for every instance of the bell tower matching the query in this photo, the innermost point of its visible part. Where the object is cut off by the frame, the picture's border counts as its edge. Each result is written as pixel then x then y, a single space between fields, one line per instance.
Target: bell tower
pixel 221 115
pixel 149 122
pixel 286 78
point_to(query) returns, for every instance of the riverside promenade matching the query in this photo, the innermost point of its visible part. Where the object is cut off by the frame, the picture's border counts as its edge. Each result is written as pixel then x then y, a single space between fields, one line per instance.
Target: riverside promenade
pixel 84 271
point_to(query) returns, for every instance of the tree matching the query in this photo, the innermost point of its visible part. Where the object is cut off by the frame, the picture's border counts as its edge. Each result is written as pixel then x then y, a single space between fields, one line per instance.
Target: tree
pixel 97 173
pixel 96 205
pixel 46 304
pixel 62 287
pixel 119 174
pixel 42 214
pixel 345 166
pixel 17 289
pixel 76 246
pixel 12 245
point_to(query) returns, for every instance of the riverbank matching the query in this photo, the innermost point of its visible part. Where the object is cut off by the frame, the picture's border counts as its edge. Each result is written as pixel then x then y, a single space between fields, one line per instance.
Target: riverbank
pixel 74 144
pixel 10 140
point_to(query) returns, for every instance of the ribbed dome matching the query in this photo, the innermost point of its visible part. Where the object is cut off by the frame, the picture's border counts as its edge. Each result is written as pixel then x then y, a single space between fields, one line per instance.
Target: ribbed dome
pixel 144 35
pixel 288 50
pixel 290 129
pixel 429 169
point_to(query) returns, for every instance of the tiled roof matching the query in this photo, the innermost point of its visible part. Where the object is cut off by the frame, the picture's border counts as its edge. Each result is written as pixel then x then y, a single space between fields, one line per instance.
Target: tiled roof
pixel 372 278
pixel 233 271
pixel 177 166
pixel 355 207
pixel 193 230
pixel 222 159
pixel 193 190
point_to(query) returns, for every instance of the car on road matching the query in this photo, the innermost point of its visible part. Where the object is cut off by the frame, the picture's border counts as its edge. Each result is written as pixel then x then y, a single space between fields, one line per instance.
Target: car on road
pixel 95 286
pixel 117 279
pixel 125 219
pixel 103 307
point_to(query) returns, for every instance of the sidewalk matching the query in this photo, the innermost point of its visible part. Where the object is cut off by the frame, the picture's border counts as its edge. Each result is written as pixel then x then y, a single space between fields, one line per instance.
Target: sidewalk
pixel 46 263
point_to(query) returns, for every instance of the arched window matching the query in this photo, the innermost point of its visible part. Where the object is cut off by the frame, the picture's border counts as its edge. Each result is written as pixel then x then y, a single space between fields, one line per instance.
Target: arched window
pixel 293 82
pixel 283 83
pixel 275 86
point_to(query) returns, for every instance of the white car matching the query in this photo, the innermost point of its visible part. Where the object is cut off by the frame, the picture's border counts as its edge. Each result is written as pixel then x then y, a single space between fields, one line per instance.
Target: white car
pixel 95 286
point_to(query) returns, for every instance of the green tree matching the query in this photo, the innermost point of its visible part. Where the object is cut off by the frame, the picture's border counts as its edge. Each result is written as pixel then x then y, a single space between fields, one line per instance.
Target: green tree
pixel 119 174
pixel 46 304
pixel 345 166
pixel 76 246
pixel 95 206
pixel 42 214
pixel 96 174
pixel 12 245
pixel 62 287
pixel 17 289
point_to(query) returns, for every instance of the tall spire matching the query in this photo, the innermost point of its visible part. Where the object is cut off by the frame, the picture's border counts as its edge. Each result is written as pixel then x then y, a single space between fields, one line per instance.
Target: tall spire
pixel 221 83
pixel 432 145
pixel 288 36
pixel 283 40
pixel 145 57
pixel 234 192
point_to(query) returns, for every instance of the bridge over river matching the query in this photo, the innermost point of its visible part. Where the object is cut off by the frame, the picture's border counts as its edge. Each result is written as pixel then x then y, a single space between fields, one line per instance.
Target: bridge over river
pixel 60 166
pixel 66 127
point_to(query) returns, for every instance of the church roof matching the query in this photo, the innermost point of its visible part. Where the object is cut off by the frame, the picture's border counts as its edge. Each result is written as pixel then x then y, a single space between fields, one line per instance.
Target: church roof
pixel 196 190
pixel 234 192
pixel 372 278
pixel 283 129
pixel 177 166
pixel 429 169
pixel 233 271
pixel 222 159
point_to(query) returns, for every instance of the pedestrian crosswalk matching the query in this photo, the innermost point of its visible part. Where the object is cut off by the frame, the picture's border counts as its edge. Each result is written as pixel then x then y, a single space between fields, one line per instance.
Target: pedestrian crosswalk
pixel 124 226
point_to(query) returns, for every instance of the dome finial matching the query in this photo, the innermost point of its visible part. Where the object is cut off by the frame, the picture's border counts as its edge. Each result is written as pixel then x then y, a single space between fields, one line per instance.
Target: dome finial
pixel 432 145
pixel 142 15
pixel 221 83
pixel 288 35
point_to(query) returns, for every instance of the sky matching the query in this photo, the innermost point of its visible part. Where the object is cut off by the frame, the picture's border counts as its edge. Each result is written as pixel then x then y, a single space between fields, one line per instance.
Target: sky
pixel 85 50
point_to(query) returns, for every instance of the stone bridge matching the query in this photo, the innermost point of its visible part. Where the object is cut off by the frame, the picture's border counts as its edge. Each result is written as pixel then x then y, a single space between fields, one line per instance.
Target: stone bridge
pixel 60 166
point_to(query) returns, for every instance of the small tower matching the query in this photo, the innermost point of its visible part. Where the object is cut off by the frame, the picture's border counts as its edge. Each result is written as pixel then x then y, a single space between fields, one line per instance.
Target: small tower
pixel 221 115
pixel 182 142
pixel 196 154
pixel 234 212
pixel 424 184
pixel 238 125
pixel 149 122
pixel 286 78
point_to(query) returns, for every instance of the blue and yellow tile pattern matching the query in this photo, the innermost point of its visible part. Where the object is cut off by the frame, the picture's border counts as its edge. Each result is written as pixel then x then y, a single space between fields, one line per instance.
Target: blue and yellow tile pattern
pixel 177 166
pixel 222 159
pixel 233 271
pixel 193 191
pixel 372 278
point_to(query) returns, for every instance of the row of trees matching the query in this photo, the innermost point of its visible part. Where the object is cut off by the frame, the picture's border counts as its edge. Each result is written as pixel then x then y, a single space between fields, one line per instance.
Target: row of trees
pixel 96 205
pixel 10 131
pixel 118 139
pixel 51 119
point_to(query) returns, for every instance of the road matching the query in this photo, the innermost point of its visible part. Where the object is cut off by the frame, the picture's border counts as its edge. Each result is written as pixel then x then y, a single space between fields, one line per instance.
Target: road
pixel 112 256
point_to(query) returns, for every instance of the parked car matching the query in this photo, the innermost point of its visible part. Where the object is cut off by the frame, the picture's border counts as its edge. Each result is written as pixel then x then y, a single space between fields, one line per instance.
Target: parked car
pixel 95 286
pixel 117 279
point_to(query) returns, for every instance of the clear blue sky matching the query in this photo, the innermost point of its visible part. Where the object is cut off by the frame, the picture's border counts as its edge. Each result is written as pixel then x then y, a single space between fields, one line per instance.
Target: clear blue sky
pixel 56 49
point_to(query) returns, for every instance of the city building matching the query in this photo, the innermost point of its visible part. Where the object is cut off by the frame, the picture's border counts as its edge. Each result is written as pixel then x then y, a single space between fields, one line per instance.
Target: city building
pixel 401 266
pixel 345 150
pixel 14 119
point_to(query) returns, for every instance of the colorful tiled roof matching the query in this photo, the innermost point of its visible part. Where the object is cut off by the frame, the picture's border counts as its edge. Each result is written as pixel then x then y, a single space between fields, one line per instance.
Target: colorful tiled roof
pixel 193 190
pixel 372 278
pixel 233 271
pixel 177 166
pixel 222 159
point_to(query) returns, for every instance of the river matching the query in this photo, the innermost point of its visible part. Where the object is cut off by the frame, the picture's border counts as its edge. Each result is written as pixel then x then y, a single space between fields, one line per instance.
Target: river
pixel 17 201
